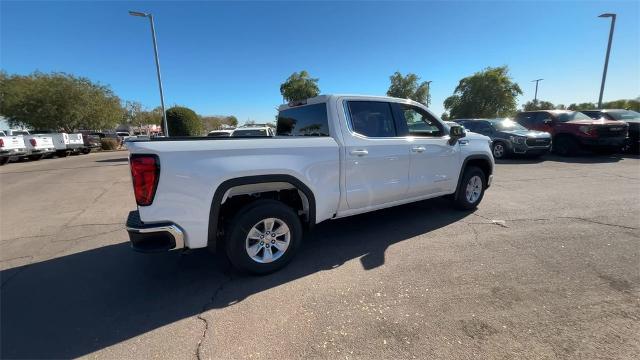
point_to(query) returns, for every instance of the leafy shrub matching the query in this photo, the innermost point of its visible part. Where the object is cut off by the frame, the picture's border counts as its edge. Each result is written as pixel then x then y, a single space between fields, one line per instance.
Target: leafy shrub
pixel 109 144
pixel 183 121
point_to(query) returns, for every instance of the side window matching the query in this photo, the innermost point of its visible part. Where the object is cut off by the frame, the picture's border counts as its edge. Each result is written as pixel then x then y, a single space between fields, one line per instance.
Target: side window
pixel 420 122
pixel 541 117
pixel 484 128
pixel 309 120
pixel 469 125
pixel 526 119
pixel 372 118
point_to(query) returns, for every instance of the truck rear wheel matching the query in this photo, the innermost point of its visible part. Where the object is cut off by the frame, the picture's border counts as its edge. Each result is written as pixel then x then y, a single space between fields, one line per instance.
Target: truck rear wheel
pixel 471 190
pixel 263 237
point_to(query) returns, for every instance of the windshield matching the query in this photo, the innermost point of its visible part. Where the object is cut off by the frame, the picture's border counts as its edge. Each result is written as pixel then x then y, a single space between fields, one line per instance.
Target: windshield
pixel 507 125
pixel 256 132
pixel 624 115
pixel 20 132
pixel 569 116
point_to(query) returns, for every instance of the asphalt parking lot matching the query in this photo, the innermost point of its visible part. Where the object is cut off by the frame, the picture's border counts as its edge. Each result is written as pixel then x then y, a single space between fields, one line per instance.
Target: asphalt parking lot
pixel 548 267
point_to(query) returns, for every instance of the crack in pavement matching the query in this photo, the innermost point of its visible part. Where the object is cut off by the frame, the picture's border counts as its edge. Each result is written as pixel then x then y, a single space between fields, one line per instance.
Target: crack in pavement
pixel 502 223
pixel 205 307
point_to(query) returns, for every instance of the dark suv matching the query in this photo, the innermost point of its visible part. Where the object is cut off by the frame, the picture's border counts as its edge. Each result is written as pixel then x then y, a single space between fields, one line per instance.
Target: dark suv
pixel 572 130
pixel 508 137
pixel 632 118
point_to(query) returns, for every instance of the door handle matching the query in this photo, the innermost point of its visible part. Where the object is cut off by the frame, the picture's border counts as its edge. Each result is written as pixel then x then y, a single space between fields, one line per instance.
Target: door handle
pixel 359 152
pixel 418 149
pixel 463 142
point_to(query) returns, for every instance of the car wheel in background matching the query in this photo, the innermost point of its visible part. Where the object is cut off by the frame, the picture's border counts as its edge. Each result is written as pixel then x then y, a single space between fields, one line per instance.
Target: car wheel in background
pixel 499 150
pixel 565 146
pixel 263 237
pixel 4 160
pixel 471 189
pixel 85 151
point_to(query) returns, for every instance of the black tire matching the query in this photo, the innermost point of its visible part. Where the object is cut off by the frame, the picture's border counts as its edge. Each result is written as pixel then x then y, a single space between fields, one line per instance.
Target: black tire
pixel 85 151
pixel 245 220
pixel 35 157
pixel 461 202
pixel 500 148
pixel 4 160
pixel 566 146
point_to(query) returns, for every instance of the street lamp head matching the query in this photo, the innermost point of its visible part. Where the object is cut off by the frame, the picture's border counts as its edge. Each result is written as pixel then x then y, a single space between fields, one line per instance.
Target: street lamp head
pixel 536 80
pixel 138 13
pixel 606 15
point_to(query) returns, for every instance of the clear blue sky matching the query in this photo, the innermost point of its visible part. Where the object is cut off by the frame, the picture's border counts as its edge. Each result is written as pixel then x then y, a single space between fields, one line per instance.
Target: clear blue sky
pixel 230 58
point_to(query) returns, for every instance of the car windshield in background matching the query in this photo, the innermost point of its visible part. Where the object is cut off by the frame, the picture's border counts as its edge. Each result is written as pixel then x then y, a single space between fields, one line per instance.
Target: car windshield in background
pixel 624 115
pixel 507 125
pixel 20 133
pixel 252 132
pixel 569 116
pixel 309 120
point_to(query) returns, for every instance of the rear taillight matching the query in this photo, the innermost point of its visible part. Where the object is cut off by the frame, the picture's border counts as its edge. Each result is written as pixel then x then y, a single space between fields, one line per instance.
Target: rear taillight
pixel 145 172
pixel 33 142
pixel 1 143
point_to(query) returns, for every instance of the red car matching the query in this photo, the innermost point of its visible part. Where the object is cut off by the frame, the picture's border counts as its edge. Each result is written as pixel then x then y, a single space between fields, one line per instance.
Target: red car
pixel 573 130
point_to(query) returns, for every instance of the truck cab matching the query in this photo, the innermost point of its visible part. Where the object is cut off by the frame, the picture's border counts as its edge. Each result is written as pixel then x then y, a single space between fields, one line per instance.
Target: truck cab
pixel 333 156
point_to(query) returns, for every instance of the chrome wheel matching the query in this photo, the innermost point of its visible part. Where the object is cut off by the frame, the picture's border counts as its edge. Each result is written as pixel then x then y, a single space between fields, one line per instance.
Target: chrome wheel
pixel 474 189
pixel 498 151
pixel 268 240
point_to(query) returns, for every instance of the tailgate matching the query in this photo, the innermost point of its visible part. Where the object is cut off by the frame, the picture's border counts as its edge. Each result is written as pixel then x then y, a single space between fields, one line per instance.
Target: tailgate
pixel 43 141
pixel 75 139
pixel 12 142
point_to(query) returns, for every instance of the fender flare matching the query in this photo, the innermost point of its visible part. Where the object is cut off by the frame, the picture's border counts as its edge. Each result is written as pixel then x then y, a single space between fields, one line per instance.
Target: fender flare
pixel 464 166
pixel 216 203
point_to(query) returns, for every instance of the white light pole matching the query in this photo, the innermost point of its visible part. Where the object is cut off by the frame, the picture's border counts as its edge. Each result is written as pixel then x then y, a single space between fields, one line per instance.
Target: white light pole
pixel 165 127
pixel 606 60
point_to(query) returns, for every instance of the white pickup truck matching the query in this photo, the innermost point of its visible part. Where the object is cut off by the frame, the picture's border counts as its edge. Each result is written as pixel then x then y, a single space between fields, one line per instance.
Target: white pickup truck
pixel 333 156
pixel 37 146
pixel 11 146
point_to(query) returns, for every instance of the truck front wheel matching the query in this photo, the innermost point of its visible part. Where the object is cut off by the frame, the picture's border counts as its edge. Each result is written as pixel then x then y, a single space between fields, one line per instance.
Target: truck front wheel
pixel 471 189
pixel 263 237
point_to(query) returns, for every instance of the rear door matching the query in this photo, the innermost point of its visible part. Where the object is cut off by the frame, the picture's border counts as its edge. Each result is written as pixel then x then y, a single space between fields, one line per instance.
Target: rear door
pixel 376 158
pixel 434 166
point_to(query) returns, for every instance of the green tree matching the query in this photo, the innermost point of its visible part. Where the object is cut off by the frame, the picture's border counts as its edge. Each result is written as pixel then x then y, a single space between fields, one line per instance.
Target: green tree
pixel 183 121
pixel 561 107
pixel 444 116
pixel 630 104
pixel 538 105
pixel 299 86
pixel 231 120
pixel 58 101
pixel 409 87
pixel 486 94
pixel 582 106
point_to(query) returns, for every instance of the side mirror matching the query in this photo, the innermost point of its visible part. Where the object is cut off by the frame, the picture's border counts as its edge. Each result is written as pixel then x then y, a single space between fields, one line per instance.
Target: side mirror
pixel 456 132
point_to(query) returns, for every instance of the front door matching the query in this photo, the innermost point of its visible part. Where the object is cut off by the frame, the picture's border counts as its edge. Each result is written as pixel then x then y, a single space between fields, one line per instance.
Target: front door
pixel 435 164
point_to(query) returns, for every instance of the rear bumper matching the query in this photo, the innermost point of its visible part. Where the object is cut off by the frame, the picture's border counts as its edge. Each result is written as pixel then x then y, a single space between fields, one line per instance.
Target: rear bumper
pixel 151 238
pixel 42 151
pixel 13 152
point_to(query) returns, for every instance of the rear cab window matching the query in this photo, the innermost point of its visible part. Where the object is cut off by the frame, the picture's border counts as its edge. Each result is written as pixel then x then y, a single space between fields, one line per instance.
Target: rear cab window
pixel 307 120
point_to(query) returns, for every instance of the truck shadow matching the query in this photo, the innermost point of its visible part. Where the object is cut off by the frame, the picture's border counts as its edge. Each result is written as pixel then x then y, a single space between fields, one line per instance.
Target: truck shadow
pixel 78 304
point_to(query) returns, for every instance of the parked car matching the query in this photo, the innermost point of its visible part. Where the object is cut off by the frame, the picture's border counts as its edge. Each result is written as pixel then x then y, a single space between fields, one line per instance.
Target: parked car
pixel 632 118
pixel 91 142
pixel 253 131
pixel 573 130
pixel 64 143
pixel 220 133
pixel 509 137
pixel 11 146
pixel 255 196
pixel 38 146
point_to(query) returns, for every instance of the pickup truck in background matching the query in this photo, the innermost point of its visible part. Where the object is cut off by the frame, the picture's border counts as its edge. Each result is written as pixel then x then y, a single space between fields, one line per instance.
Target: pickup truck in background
pixel 333 156
pixel 38 146
pixel 11 146
pixel 65 144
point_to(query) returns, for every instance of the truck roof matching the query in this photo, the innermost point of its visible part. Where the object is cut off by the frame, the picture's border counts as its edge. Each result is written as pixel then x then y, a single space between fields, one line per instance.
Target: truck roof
pixel 324 98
